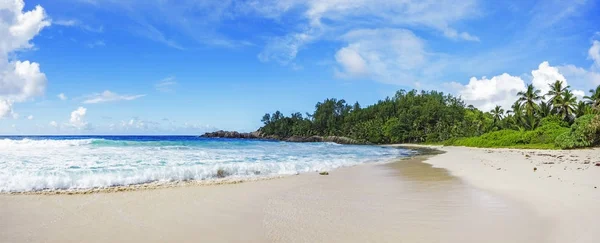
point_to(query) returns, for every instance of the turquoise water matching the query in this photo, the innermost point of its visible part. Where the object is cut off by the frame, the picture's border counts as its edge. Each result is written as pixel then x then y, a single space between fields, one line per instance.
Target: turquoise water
pixel 85 162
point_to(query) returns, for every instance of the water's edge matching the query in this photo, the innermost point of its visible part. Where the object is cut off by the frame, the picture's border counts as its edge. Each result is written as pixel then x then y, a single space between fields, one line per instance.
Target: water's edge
pixel 209 181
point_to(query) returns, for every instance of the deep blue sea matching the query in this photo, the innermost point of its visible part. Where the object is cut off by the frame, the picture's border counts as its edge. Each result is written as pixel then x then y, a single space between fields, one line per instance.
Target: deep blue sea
pixel 31 163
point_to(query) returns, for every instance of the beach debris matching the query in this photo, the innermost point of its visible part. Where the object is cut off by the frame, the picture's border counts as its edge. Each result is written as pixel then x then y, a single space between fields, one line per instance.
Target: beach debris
pixel 323 173
pixel 534 169
pixel 221 173
pixel 598 164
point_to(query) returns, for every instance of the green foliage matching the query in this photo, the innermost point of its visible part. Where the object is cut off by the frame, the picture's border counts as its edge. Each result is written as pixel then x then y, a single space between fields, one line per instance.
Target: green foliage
pixel 585 132
pixel 434 117
pixel 542 137
pixel 553 119
pixel 407 117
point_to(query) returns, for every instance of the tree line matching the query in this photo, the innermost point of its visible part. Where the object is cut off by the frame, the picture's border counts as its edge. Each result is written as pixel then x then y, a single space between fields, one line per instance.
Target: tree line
pixel 432 116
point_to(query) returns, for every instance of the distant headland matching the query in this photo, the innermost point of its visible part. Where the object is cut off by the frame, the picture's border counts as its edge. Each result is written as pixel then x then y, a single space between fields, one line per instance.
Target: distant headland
pixel 298 139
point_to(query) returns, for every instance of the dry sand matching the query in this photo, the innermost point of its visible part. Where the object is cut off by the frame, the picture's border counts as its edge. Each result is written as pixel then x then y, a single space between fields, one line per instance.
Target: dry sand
pixel 407 201
pixel 562 186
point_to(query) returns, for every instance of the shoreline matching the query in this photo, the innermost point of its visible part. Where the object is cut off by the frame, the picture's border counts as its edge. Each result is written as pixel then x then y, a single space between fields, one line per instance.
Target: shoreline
pixel 377 202
pixel 191 183
pixel 493 194
pixel 560 185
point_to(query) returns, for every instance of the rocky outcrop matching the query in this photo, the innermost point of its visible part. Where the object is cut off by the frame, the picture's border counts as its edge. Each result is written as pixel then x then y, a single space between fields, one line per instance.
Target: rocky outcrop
pixel 342 140
pixel 233 134
pixel 332 139
pixel 300 139
pixel 295 139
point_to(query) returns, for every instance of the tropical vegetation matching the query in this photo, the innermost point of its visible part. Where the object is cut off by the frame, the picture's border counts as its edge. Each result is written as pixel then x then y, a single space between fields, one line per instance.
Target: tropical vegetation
pixel 556 119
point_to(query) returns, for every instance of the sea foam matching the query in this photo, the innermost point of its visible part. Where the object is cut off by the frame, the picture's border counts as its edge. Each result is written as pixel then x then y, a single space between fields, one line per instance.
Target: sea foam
pixel 33 164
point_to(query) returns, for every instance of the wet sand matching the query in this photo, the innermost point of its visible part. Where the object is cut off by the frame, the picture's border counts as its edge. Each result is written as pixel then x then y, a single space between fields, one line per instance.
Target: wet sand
pixel 562 186
pixel 406 201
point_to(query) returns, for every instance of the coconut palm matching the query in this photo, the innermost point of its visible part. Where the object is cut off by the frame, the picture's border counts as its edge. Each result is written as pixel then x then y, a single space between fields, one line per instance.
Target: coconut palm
pixel 556 91
pixel 594 98
pixel 566 105
pixel 529 98
pixel 530 121
pixel 516 113
pixel 498 114
pixel 582 108
pixel 545 109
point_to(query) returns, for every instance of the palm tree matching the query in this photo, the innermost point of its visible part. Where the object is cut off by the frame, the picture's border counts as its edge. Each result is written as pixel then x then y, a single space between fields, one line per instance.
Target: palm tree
pixel 517 114
pixel 529 98
pixel 566 105
pixel 594 98
pixel 545 109
pixel 530 121
pixel 556 91
pixel 582 108
pixel 498 114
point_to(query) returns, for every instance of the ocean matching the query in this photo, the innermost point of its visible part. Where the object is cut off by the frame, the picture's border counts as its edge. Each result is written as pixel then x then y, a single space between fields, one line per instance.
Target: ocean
pixel 35 163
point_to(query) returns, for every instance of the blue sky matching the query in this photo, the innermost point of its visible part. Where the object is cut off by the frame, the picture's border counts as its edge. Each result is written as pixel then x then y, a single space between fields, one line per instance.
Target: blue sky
pixel 185 67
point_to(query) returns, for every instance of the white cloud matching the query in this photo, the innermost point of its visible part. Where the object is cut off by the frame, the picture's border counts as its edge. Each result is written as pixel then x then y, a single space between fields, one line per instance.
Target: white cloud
pixel 329 19
pixel 136 124
pixel 19 80
pixel 62 96
pixel 580 76
pixel 78 24
pixel 108 96
pixel 30 117
pixel 502 90
pixel 594 53
pixel 351 62
pixel 95 44
pixel 284 49
pixel 579 94
pixel 486 93
pixel 53 124
pixel 166 85
pixel 453 34
pixel 6 109
pixel 546 75
pixel 77 119
pixel 386 55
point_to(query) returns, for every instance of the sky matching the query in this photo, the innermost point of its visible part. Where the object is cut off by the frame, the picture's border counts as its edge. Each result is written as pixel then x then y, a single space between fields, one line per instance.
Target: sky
pixel 83 67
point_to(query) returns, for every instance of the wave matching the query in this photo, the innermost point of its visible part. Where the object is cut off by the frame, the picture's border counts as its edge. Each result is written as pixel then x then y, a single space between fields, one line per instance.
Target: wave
pixel 87 180
pixel 42 143
pixel 99 142
pixel 47 164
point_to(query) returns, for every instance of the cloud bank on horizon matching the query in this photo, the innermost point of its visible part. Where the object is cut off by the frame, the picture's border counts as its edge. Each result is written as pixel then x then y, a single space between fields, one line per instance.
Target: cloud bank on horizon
pixel 117 60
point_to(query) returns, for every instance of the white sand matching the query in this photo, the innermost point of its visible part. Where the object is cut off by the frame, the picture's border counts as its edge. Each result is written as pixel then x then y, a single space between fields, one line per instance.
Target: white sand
pixel 565 189
pixel 407 201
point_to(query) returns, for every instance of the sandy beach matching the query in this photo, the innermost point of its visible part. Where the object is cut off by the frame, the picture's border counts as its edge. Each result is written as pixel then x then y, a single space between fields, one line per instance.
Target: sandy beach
pixel 562 186
pixel 463 195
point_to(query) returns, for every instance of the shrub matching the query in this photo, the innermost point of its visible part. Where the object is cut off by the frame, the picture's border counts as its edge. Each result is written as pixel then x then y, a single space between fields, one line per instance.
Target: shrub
pixel 502 138
pixel 542 137
pixel 554 119
pixel 548 132
pixel 585 132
